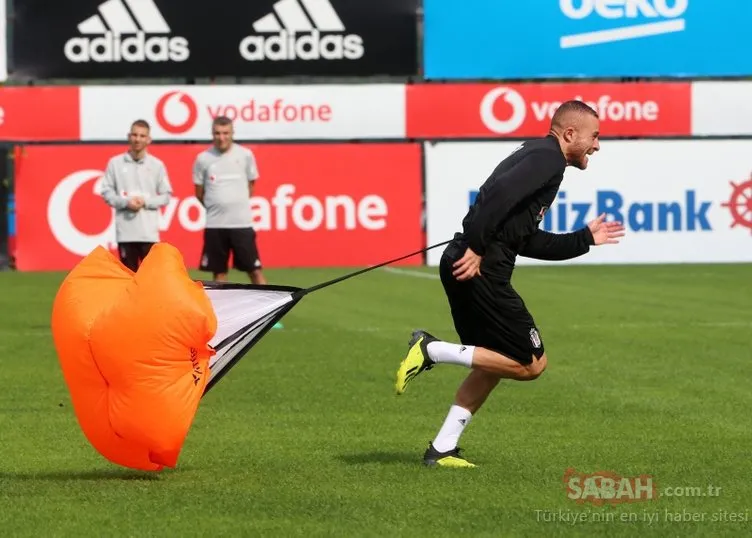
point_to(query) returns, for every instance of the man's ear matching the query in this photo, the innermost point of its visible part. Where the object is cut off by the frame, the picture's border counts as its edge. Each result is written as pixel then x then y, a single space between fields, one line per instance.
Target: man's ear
pixel 568 134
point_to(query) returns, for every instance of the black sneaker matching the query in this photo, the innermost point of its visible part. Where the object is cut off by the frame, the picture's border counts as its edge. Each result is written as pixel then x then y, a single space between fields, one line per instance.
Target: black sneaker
pixel 450 458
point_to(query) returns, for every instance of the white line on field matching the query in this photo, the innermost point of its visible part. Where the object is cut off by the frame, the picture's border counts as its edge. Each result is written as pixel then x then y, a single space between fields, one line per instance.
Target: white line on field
pixel 660 324
pixel 574 326
pixel 408 272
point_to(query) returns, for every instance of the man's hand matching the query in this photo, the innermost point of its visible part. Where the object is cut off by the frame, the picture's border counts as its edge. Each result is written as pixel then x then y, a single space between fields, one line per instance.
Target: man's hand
pixel 468 266
pixel 136 203
pixel 605 232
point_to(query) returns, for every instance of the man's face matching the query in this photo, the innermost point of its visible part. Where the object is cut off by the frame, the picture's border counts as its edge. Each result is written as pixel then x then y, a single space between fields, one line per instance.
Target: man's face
pixel 583 141
pixel 138 138
pixel 222 136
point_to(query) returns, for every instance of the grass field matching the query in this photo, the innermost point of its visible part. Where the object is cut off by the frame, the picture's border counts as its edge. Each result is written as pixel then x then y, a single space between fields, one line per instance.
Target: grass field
pixel 650 373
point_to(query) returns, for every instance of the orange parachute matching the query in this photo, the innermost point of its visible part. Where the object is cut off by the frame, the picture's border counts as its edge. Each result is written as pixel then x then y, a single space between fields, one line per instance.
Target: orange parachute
pixel 139 350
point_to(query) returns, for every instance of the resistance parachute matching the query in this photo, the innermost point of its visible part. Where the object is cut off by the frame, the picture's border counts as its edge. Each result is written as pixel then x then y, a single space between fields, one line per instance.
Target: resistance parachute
pixel 139 350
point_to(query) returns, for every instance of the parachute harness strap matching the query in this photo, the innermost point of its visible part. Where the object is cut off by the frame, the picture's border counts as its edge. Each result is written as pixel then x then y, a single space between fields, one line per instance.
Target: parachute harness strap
pixel 361 271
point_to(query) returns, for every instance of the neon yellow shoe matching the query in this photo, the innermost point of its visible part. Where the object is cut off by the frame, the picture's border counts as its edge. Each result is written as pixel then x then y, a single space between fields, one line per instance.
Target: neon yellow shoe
pixel 450 458
pixel 416 361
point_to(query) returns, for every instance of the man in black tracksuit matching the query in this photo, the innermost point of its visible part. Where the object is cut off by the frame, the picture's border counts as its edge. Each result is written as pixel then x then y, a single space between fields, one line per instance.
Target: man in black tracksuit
pixel 498 336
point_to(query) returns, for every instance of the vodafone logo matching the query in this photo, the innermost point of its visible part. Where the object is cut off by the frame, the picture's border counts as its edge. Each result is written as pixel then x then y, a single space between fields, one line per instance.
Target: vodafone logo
pixel 513 100
pixel 176 112
pixel 525 109
pixel 188 212
pixel 59 218
pixel 284 210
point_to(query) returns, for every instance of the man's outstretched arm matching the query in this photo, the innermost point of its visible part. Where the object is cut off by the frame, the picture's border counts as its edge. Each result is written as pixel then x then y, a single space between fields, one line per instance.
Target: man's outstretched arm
pixel 544 245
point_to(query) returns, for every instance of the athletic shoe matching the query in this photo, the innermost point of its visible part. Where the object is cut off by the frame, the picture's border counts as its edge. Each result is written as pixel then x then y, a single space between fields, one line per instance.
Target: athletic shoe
pixel 416 361
pixel 450 458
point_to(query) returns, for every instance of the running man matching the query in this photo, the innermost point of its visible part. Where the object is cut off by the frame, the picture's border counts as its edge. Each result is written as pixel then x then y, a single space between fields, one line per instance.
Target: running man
pixel 498 336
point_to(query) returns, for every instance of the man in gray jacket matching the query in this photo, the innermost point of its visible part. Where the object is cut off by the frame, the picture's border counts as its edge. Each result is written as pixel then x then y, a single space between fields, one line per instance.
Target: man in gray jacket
pixel 136 185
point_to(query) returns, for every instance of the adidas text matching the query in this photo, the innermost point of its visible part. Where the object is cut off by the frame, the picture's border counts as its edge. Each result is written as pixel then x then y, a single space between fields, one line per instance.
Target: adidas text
pixel 134 48
pixel 311 46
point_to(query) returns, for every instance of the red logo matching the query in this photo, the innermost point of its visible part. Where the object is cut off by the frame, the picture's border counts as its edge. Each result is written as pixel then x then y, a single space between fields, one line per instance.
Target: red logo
pixel 522 110
pixel 307 196
pixel 189 105
pixel 740 204
pixel 515 113
pixel 77 237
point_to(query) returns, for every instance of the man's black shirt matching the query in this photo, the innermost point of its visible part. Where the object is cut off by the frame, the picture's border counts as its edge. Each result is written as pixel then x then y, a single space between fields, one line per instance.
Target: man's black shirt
pixel 503 221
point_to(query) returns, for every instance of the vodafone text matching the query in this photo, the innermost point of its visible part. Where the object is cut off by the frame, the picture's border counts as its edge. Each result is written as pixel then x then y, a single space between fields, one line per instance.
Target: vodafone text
pixel 281 212
pixel 277 112
pixel 607 108
pixel 309 213
pixel 284 210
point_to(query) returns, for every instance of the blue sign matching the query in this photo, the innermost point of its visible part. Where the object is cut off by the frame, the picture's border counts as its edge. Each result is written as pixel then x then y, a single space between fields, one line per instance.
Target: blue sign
pixel 516 39
pixel 11 215
pixel 687 214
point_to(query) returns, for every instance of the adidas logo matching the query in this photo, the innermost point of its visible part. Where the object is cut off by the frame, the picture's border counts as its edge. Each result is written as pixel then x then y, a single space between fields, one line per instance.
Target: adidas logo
pixel 123 35
pixel 305 30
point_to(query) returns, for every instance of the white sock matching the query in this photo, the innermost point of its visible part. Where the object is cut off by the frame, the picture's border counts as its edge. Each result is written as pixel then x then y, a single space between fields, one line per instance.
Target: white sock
pixel 450 432
pixel 451 353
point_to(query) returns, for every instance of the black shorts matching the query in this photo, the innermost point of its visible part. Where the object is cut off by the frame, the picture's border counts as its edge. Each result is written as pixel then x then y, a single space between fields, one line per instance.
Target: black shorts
pixel 220 242
pixel 132 254
pixel 489 313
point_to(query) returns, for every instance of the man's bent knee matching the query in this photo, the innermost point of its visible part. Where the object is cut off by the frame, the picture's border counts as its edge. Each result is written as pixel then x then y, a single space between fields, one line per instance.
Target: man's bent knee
pixel 534 369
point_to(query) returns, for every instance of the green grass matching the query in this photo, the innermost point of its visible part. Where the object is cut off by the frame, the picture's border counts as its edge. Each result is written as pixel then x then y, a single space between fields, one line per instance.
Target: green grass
pixel 650 372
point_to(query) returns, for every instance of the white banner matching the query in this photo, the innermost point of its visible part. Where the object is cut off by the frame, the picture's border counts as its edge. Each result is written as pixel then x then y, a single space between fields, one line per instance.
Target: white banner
pixel 682 201
pixel 258 112
pixel 721 108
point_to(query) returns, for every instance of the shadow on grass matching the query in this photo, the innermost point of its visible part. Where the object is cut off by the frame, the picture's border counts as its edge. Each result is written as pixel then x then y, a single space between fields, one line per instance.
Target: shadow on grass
pixel 104 474
pixel 379 457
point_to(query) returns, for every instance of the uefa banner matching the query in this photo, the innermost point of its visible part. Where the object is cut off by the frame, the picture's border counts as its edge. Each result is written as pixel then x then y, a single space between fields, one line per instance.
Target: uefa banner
pixel 313 205
pixel 535 39
pixel 91 39
pixel 519 110
pixel 263 112
pixel 681 201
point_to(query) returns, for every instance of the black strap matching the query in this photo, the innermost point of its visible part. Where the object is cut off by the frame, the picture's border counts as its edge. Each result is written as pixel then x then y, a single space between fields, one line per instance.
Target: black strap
pixel 361 271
